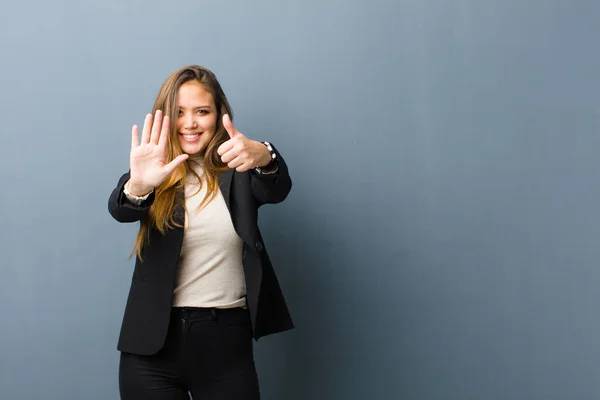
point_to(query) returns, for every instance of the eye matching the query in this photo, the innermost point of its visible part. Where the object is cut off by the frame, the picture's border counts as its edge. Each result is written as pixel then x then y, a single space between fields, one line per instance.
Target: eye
pixel 179 112
pixel 202 112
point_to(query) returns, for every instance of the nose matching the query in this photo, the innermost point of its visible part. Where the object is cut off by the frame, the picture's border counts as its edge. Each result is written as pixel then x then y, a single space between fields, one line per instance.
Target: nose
pixel 188 121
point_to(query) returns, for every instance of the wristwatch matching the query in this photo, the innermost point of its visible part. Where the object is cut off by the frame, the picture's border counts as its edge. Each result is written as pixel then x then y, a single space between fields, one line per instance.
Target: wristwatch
pixel 273 166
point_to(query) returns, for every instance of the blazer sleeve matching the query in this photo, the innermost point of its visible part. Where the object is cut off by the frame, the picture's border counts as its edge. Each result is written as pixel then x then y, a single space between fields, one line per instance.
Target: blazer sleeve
pixel 123 210
pixel 271 188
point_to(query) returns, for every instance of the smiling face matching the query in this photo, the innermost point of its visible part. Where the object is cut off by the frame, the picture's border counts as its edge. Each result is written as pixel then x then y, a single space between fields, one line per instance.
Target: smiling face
pixel 196 121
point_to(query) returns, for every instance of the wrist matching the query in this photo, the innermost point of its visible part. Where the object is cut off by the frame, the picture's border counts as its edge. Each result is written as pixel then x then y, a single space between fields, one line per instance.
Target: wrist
pixel 138 190
pixel 265 157
pixel 270 165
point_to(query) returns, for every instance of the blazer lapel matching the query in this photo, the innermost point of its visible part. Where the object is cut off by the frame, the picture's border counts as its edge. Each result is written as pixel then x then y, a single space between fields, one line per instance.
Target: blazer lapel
pixel 225 179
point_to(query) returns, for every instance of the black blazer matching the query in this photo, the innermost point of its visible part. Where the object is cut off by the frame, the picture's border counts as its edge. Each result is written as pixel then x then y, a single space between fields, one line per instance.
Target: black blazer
pixel 147 313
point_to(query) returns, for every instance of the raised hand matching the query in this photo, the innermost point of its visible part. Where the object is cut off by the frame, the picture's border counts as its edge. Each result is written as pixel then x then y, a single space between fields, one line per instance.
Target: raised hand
pixel 242 153
pixel 148 158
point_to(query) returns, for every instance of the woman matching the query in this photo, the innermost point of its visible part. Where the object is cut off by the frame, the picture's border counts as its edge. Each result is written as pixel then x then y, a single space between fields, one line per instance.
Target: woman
pixel 203 284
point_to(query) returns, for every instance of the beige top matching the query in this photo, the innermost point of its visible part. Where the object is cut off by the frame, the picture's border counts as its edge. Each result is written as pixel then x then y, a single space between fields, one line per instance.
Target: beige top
pixel 210 271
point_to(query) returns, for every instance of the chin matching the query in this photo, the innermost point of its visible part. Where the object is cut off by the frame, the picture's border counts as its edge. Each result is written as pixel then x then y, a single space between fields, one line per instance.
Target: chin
pixel 194 152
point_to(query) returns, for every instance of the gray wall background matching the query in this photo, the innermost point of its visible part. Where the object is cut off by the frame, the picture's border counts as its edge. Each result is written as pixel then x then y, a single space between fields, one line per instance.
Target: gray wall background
pixel 441 238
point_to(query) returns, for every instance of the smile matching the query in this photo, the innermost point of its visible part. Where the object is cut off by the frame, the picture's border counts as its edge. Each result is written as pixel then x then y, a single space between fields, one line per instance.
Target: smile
pixel 189 137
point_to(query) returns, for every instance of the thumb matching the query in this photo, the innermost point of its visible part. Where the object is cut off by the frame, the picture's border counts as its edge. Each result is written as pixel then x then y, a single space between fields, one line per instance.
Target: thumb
pixel 172 166
pixel 228 125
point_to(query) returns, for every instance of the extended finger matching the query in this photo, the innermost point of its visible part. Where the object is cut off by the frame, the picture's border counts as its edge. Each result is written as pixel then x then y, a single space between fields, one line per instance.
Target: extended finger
pixel 134 137
pixel 146 129
pixel 228 125
pixel 164 133
pixel 156 127
pixel 177 161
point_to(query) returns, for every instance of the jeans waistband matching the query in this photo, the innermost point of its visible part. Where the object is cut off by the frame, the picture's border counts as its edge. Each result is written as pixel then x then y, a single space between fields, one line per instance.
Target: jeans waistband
pixel 202 312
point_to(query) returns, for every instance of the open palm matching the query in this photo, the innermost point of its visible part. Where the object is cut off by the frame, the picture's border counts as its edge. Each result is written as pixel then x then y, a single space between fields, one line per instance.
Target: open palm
pixel 148 158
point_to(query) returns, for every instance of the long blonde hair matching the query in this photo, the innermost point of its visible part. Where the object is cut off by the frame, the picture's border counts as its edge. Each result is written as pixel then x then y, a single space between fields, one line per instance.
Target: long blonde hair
pixel 161 213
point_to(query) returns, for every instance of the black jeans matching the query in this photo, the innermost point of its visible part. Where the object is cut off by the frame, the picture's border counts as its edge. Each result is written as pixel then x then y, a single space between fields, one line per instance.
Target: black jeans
pixel 208 352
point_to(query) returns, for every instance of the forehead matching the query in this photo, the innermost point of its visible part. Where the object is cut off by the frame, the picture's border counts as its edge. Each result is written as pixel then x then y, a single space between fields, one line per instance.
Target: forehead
pixel 193 94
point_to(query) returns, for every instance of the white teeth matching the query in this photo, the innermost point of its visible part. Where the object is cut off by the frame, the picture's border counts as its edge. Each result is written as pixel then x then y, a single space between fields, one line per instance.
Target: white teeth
pixel 192 136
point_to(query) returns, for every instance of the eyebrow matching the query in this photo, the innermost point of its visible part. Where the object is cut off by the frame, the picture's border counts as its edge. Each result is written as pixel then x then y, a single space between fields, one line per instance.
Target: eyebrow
pixel 196 108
